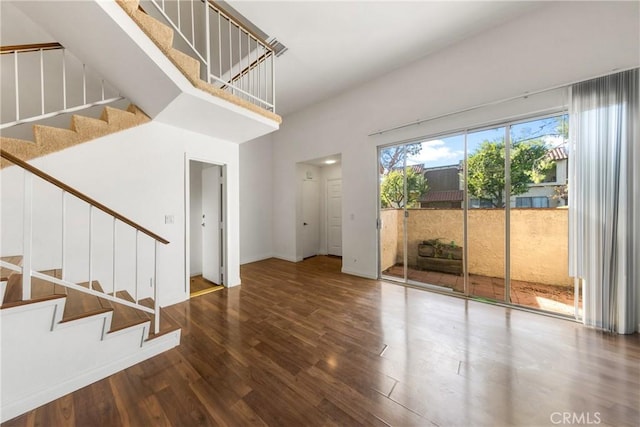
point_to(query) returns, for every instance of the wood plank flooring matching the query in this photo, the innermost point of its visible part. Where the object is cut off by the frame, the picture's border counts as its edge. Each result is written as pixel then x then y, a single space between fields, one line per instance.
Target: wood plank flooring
pixel 304 345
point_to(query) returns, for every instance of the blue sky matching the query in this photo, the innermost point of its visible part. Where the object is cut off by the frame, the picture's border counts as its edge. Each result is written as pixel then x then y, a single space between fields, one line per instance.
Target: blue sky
pixel 450 150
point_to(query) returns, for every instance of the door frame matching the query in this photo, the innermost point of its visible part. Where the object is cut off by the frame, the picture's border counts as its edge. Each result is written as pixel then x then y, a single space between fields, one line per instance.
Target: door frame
pixel 188 157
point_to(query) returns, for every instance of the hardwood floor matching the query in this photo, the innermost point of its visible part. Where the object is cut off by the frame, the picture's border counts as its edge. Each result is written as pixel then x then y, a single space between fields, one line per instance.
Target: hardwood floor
pixel 304 345
pixel 198 285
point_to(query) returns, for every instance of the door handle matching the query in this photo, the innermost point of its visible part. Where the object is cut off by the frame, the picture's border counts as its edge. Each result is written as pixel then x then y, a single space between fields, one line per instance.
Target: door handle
pixel 202 224
pixel 304 223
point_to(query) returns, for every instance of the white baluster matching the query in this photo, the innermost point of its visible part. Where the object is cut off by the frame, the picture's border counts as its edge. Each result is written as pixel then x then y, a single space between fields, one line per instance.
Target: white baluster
pixel 90 246
pixel 219 47
pixel 113 258
pixel 84 84
pixel 135 276
pixel 156 293
pixel 17 79
pixel 64 234
pixel 41 81
pixel 193 29
pixel 64 79
pixel 27 216
pixel 207 28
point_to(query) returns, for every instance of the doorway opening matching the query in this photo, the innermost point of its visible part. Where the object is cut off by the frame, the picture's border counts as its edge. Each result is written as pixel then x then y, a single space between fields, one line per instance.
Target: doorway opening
pixel 319 207
pixel 206 203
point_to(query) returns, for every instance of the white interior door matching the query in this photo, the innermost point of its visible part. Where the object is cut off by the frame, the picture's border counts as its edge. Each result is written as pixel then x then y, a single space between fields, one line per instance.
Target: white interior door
pixel 334 217
pixel 310 218
pixel 211 207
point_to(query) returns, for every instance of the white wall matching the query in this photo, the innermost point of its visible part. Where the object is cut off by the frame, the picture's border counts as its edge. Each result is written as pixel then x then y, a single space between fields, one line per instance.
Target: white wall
pixel 256 189
pixel 140 173
pixel 554 45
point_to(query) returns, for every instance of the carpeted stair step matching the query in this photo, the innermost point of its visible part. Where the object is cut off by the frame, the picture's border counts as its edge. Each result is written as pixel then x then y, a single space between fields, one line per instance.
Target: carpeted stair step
pixel 119 119
pixel 189 66
pixel 129 6
pixel 89 128
pixel 52 139
pixel 21 148
pixel 161 34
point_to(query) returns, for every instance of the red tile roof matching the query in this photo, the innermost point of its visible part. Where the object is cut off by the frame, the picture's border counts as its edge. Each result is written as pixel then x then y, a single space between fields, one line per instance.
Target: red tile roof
pixel 558 154
pixel 443 196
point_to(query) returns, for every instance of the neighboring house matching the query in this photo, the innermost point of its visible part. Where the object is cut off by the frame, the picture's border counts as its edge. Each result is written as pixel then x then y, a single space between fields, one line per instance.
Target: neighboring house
pixel 444 188
pixel 541 195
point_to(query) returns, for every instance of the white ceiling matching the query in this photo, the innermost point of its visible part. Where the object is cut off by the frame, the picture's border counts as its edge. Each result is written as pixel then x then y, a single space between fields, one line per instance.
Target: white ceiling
pixel 334 45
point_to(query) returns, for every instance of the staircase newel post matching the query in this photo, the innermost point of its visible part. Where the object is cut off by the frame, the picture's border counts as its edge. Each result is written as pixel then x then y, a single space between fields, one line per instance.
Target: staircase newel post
pixel 27 215
pixel 156 293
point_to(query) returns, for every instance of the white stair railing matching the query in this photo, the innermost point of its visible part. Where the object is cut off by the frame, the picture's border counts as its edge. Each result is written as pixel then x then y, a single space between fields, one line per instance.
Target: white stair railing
pixel 139 291
pixel 233 58
pixel 44 80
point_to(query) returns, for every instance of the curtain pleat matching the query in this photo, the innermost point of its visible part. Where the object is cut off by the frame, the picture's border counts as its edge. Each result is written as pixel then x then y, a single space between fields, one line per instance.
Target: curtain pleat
pixel 604 199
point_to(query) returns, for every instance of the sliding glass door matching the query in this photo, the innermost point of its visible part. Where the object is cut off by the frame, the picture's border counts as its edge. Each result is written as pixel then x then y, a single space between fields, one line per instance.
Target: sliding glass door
pixel 486 185
pixel 481 212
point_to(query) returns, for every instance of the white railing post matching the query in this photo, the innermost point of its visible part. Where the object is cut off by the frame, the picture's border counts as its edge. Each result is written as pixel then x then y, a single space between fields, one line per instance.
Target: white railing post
pixel 84 84
pixel 41 81
pixel 113 258
pixel 27 227
pixel 135 273
pixel 64 79
pixel 90 247
pixel 219 45
pixel 273 81
pixel 17 80
pixel 193 29
pixel 156 293
pixel 230 56
pixel 207 30
pixel 63 265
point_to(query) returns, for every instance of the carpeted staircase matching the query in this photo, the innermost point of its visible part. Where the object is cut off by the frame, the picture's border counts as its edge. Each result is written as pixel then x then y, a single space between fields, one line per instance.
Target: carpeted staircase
pixel 162 36
pixel 49 139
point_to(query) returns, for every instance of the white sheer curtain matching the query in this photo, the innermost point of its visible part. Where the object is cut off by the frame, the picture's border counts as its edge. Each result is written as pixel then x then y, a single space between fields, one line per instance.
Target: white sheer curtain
pixel 604 199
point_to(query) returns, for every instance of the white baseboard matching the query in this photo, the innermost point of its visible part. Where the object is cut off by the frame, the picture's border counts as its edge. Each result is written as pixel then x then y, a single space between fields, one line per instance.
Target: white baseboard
pixel 287 258
pixel 359 274
pixel 151 348
pixel 255 258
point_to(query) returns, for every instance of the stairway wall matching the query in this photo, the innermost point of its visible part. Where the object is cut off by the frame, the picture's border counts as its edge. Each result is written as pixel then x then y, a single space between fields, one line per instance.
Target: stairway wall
pixel 139 172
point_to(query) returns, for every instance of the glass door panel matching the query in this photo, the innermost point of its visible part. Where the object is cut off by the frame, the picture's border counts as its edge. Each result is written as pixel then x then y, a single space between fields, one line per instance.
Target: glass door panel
pixel 435 212
pixel 485 181
pixel 539 250
pixel 392 161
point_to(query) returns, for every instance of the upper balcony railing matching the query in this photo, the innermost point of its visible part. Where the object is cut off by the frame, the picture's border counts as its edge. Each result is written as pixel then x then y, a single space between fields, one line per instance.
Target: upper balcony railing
pixel 233 57
pixel 43 80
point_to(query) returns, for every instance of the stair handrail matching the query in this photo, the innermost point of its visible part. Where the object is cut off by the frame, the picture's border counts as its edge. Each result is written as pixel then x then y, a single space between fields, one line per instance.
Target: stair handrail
pixel 45 176
pixel 16 51
pixel 28 272
pixel 4 50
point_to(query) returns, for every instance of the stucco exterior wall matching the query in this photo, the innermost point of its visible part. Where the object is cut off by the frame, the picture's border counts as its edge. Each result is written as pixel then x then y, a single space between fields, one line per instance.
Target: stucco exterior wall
pixel 539 240
pixel 389 235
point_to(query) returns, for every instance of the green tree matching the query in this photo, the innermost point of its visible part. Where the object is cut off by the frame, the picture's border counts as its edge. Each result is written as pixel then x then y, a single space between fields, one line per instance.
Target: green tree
pixel 392 189
pixel 486 169
pixel 393 157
